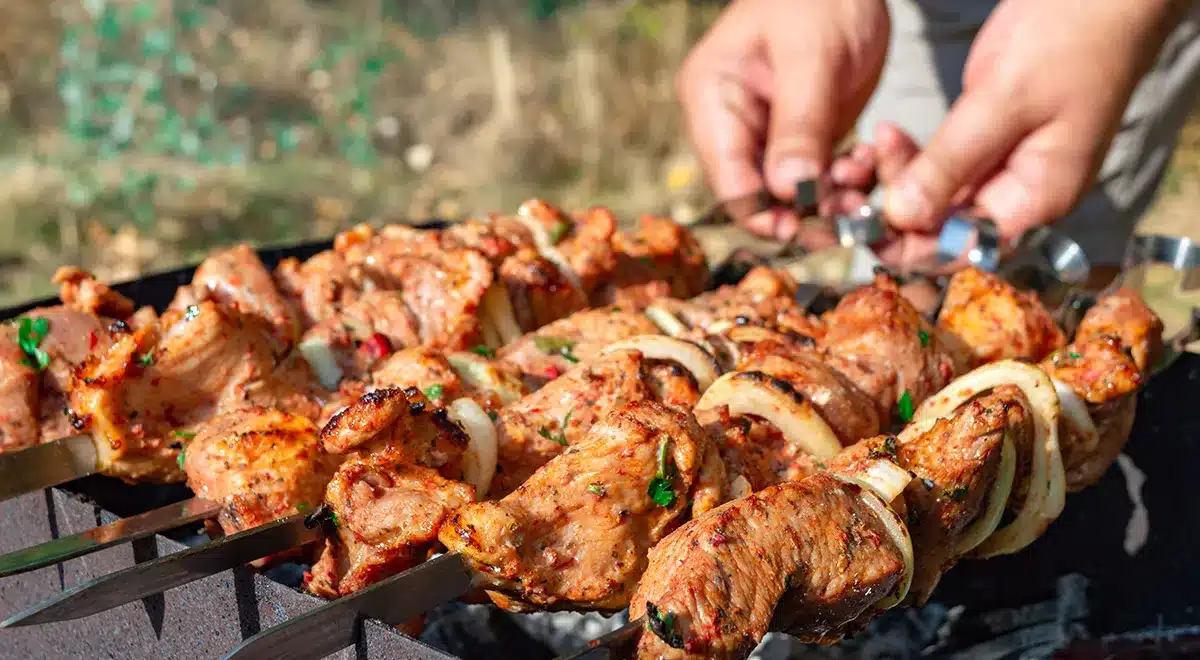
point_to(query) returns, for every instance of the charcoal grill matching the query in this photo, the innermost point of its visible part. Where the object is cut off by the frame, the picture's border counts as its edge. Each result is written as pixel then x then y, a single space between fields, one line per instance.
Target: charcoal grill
pixel 1084 590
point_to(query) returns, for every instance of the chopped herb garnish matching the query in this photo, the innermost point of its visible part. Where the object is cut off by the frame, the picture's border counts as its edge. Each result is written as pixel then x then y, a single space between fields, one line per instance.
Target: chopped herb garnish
pixel 493 415
pixel 181 459
pixel 147 359
pixel 661 490
pixel 662 624
pixel 559 232
pixel 904 407
pixel 187 435
pixel 434 391
pixel 30 333
pixel 192 312
pixel 887 450
pixel 1073 355
pixel 597 489
pixel 484 351
pixel 819 464
pixel 924 337
pixel 333 520
pixel 302 507
pixel 561 436
pixel 958 494
pixel 556 346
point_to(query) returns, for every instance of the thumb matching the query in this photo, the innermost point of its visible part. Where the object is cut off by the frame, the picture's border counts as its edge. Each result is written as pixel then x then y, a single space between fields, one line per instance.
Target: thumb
pixel 973 140
pixel 803 118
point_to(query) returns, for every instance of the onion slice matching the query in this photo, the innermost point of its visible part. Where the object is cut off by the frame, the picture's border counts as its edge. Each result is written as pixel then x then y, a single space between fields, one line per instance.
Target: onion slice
pixel 878 475
pixel 1047 481
pixel 479 372
pixel 997 500
pixel 548 248
pixel 666 321
pixel 1076 413
pixel 319 355
pixel 479 461
pixel 755 393
pixel 898 531
pixel 690 356
pixel 739 487
pixel 498 309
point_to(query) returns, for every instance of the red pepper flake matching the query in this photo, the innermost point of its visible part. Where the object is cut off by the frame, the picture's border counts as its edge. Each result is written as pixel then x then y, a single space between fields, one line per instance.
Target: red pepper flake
pixel 718 539
pixel 92 340
pixel 552 372
pixel 138 431
pixel 377 346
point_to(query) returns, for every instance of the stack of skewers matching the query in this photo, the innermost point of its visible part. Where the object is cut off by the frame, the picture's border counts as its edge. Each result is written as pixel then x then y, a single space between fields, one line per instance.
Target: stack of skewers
pixel 554 408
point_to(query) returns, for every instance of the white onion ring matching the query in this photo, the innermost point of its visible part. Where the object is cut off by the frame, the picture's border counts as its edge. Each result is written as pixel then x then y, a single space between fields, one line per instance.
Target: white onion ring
pixel 498 308
pixel 1075 411
pixel 547 248
pixel 898 531
pixel 666 321
pixel 719 327
pixel 997 500
pixel 479 461
pixel 702 365
pixel 748 334
pixel 478 372
pixel 749 393
pixel 319 355
pixel 880 476
pixel 739 488
pixel 1047 481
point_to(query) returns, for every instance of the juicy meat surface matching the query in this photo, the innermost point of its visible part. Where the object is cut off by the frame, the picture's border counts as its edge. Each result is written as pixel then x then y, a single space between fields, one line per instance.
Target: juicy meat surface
pixel 1124 315
pixel 881 343
pixel 540 292
pixel 543 424
pixel 576 533
pixel 995 321
pixel 844 407
pixel 398 423
pixel 806 557
pixel 548 352
pixel 388 513
pixel 261 464
pixel 659 259
pixel 236 278
pixel 80 291
pixel 764 297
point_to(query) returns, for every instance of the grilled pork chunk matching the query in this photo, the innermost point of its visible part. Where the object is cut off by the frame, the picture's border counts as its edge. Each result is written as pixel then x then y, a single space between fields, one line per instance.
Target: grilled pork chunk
pixel 237 279
pixel 80 291
pixel 995 321
pixel 804 557
pixel 576 533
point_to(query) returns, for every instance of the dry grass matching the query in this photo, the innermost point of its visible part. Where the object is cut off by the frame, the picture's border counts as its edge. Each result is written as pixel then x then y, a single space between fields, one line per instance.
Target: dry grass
pixel 328 112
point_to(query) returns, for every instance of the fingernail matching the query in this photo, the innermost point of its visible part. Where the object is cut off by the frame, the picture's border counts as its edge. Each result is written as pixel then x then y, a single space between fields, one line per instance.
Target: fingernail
pixel 797 169
pixel 1006 199
pixel 761 224
pixel 907 203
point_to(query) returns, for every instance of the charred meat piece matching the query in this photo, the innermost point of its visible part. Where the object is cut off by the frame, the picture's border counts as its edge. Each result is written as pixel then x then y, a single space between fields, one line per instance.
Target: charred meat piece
pixel 575 534
pixel 1124 315
pixel 386 514
pixel 807 558
pixel 845 408
pixel 261 464
pixel 764 297
pixel 318 287
pixel 548 352
pixel 995 321
pixel 81 292
pixel 170 377
pixel 237 279
pixel 545 423
pixel 658 260
pixel 539 290
pixel 881 343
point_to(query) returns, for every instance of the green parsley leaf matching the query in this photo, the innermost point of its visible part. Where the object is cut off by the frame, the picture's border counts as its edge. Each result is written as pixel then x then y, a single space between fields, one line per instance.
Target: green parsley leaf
pixel 192 312
pixel 147 359
pixel 484 351
pixel 904 407
pixel 662 624
pixel 493 415
pixel 561 436
pixel 302 507
pixel 556 346
pixel 333 520
pixel 559 232
pixel 434 391
pixel 596 489
pixel 661 490
pixel 924 337
pixel 1073 355
pixel 182 455
pixel 30 333
pixel 186 435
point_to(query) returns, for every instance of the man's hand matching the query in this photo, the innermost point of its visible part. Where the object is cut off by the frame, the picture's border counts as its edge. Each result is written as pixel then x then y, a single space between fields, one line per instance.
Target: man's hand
pixel 1044 90
pixel 771 87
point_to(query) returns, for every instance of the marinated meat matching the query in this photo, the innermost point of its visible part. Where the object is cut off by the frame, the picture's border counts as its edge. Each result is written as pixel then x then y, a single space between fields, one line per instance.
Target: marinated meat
pixel 81 292
pixel 543 424
pixel 995 321
pixel 576 533
pixel 548 352
pixel 261 464
pixel 171 377
pixel 882 344
pixel 806 557
pixel 757 451
pixel 1124 315
pixel 387 514
pixel 955 464
pixel 658 260
pixel 764 297
pixel 845 408
pixel 237 279
pixel 585 241
pixel 398 423
pixel 423 368
pixel 318 287
pixel 19 414
pixel 540 292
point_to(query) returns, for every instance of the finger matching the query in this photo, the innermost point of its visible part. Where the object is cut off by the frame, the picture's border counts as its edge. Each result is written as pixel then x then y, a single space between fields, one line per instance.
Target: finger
pixel 972 141
pixel 803 117
pixel 894 150
pixel 854 170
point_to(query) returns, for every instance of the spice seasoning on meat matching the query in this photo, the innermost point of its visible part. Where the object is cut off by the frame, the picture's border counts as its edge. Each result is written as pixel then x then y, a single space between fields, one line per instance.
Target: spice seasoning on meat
pixel 556 346
pixel 30 333
pixel 661 490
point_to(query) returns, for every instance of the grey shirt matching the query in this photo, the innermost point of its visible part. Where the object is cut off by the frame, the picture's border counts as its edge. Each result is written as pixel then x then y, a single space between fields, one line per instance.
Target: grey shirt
pixel 923 75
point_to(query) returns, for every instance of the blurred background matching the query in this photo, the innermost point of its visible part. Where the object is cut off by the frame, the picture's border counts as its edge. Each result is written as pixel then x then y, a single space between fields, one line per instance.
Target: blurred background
pixel 137 134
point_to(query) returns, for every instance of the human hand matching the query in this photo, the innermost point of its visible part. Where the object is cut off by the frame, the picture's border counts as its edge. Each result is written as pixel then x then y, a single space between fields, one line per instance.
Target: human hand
pixel 1044 89
pixel 771 88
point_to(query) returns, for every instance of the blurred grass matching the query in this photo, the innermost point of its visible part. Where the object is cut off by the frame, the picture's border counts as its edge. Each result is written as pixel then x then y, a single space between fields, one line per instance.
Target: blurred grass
pixel 137 134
